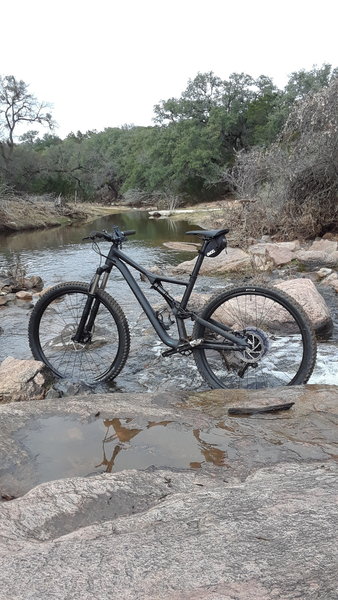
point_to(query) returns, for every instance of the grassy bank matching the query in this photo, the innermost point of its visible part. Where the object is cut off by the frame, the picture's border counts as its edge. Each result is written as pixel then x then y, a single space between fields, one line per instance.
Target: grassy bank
pixel 30 212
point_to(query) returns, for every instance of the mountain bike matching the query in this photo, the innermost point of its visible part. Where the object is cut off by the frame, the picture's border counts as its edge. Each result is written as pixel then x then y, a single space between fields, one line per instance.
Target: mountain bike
pixel 247 337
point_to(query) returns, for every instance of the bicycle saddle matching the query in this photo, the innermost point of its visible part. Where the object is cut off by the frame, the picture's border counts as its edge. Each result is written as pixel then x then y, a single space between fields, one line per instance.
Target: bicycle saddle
pixel 213 233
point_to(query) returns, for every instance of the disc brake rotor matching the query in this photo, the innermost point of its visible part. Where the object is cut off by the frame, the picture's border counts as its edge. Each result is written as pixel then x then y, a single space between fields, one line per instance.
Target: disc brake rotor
pixel 239 361
pixel 258 345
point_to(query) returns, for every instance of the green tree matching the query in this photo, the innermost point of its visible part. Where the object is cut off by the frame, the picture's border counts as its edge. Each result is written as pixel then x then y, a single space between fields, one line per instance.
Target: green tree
pixel 304 82
pixel 17 106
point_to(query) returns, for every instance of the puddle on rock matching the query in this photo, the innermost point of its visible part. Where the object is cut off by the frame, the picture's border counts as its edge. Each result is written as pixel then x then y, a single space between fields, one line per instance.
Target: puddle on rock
pixel 63 447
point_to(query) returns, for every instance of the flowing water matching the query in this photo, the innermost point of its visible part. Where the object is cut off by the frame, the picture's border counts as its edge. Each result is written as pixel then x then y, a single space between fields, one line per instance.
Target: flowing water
pixel 60 255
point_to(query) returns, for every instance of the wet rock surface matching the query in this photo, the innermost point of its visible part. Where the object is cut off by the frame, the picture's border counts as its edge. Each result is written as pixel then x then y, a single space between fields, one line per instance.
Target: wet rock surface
pixel 248 511
pixel 86 435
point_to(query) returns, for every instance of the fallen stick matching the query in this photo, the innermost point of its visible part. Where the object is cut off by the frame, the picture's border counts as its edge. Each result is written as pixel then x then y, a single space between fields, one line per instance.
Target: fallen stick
pixel 259 409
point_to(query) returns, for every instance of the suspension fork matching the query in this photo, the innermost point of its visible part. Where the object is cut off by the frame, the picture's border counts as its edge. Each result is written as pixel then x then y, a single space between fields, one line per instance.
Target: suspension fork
pixel 92 305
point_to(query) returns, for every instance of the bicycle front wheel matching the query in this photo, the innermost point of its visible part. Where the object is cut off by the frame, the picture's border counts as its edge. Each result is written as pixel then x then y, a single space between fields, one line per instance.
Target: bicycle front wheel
pixel 281 344
pixel 54 322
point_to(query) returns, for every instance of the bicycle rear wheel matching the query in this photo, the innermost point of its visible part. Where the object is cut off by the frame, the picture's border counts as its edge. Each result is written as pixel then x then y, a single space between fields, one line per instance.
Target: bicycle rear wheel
pixel 282 347
pixel 54 322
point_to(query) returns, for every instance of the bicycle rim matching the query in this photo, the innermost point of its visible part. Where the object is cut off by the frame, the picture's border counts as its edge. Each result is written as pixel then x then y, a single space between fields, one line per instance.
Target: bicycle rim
pixel 54 325
pixel 282 345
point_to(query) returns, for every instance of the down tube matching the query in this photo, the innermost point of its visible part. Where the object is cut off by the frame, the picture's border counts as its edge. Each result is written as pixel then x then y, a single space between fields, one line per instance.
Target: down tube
pixel 144 303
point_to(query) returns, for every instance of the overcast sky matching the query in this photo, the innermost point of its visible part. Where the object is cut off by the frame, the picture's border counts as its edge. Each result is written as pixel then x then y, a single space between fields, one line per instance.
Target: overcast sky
pixel 106 63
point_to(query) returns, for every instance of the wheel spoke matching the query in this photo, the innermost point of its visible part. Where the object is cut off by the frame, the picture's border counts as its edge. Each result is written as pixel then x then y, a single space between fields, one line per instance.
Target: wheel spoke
pixel 281 343
pixel 55 321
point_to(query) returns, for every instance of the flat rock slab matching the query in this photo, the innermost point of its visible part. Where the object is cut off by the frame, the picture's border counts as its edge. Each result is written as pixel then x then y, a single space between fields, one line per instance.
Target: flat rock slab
pixel 83 436
pixel 174 536
pixel 182 246
pixel 252 517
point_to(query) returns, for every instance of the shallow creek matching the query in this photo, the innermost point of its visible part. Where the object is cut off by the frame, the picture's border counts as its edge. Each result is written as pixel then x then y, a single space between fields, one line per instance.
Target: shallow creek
pixel 60 255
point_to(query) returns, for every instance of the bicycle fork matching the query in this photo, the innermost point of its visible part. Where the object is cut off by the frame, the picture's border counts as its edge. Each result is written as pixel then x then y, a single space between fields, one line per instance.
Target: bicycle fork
pixel 84 330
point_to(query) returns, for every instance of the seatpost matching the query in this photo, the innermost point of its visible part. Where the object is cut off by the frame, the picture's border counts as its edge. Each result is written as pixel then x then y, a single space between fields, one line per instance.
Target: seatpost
pixel 194 274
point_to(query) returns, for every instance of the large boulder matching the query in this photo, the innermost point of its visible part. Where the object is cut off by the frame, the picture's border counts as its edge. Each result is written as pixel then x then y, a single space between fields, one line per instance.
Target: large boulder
pixel 233 260
pixel 268 255
pixel 328 246
pixel 273 316
pixel 316 258
pixel 22 380
pixel 306 294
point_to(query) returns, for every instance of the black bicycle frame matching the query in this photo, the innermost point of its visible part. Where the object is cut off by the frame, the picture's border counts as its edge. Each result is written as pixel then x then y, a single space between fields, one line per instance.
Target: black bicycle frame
pixel 116 258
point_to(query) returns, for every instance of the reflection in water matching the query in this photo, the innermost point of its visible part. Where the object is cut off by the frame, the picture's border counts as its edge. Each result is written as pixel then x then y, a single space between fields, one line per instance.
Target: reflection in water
pixel 61 447
pixel 122 434
pixel 151 232
pixel 211 453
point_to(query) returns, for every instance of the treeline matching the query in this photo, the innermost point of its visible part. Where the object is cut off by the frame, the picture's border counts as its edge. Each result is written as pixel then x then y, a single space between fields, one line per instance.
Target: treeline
pixel 195 139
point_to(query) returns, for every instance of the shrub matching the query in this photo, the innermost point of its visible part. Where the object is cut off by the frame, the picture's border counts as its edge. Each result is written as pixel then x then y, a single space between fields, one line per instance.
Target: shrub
pixel 293 185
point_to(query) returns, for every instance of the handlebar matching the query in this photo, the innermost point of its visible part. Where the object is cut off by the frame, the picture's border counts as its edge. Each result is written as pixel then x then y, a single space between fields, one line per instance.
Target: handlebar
pixel 117 236
pixel 129 232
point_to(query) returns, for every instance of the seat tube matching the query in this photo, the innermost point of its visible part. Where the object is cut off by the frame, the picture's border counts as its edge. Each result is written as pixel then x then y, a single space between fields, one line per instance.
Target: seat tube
pixel 193 276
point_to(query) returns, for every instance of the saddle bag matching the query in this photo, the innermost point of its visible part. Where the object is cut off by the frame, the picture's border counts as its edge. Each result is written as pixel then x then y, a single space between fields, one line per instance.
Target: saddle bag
pixel 215 246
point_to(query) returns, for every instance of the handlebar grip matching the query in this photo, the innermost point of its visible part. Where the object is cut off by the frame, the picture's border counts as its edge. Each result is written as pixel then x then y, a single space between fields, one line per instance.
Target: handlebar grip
pixel 98 235
pixel 129 232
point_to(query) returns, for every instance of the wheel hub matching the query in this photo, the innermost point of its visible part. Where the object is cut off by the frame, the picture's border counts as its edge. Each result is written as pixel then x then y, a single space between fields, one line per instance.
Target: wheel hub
pixel 258 345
